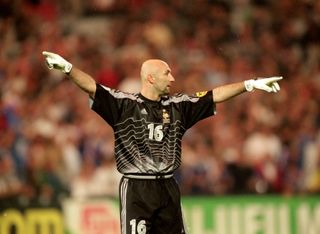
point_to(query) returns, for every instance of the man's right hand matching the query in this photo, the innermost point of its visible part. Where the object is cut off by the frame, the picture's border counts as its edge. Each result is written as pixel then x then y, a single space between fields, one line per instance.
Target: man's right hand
pixel 57 62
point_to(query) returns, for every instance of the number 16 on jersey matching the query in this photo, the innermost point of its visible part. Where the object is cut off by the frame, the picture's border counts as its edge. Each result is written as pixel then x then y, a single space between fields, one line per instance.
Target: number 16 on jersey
pixel 155 132
pixel 139 228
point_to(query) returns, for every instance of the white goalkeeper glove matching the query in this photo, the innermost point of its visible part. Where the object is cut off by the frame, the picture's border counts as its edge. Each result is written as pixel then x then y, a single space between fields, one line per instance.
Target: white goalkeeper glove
pixel 267 84
pixel 57 62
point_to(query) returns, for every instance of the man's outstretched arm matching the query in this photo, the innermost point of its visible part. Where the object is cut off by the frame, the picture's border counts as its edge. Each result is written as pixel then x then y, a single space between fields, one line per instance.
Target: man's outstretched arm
pixel 80 78
pixel 225 92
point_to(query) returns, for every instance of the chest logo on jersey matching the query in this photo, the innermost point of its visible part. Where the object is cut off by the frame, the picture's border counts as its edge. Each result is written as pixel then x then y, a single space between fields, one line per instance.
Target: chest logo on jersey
pixel 201 94
pixel 165 116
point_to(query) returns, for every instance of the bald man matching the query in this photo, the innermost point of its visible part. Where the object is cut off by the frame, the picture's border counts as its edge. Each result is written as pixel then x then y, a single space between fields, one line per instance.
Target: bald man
pixel 148 129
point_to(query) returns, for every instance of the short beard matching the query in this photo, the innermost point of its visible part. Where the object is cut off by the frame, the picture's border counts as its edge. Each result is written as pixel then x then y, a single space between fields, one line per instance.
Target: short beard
pixel 165 92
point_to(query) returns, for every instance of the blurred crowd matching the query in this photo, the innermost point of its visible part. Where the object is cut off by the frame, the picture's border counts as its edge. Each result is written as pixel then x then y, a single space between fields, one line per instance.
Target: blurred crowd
pixel 53 146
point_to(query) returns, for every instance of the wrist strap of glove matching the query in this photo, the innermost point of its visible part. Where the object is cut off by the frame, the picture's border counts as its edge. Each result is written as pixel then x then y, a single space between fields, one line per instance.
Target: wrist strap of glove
pixel 67 68
pixel 249 85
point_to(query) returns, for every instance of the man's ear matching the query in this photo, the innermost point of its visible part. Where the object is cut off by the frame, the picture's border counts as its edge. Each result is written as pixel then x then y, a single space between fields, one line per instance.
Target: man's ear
pixel 150 79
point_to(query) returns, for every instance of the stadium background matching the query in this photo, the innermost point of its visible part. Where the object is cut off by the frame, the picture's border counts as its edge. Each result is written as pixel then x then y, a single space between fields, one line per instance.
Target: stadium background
pixel 53 148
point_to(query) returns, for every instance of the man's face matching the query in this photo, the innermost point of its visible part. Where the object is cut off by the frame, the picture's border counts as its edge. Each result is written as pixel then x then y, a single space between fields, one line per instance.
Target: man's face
pixel 163 79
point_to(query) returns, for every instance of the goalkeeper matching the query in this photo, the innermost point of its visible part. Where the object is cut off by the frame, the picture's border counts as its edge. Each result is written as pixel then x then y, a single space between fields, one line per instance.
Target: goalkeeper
pixel 148 129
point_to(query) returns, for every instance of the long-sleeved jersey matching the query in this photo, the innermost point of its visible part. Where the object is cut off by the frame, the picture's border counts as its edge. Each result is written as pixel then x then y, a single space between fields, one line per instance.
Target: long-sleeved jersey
pixel 148 133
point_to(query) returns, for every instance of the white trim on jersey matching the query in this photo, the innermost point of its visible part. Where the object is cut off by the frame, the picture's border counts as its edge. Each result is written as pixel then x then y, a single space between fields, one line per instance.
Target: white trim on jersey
pixel 180 98
pixel 123 197
pixel 186 230
pixel 120 94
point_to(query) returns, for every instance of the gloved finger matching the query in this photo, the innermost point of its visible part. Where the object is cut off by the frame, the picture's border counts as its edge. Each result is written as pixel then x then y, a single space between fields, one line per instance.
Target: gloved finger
pixel 276 85
pixel 274 89
pixel 47 54
pixel 271 79
pixel 50 62
pixel 49 65
pixel 266 88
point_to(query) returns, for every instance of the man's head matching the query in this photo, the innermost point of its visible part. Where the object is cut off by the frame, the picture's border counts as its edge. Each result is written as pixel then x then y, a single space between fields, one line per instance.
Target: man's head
pixel 156 77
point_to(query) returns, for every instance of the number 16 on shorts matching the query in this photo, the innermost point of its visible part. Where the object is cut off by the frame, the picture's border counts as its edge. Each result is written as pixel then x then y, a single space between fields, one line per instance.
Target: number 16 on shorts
pixel 138 228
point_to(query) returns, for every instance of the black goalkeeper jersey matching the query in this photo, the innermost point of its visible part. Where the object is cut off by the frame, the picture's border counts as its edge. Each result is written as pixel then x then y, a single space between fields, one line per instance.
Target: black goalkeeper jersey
pixel 148 133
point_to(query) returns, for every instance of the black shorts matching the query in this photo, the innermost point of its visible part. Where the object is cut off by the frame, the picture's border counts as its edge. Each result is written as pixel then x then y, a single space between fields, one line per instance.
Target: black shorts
pixel 150 206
